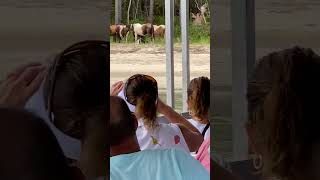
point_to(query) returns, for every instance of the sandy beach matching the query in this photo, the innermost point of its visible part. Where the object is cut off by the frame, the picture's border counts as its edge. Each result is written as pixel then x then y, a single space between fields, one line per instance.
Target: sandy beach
pixel 127 59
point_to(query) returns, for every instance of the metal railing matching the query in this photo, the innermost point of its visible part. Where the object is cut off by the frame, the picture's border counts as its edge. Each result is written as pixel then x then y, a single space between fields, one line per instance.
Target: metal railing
pixel 184 20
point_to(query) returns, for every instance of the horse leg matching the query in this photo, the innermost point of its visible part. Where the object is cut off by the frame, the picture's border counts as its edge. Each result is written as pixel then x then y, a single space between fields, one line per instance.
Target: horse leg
pixel 127 37
pixel 135 38
pixel 143 39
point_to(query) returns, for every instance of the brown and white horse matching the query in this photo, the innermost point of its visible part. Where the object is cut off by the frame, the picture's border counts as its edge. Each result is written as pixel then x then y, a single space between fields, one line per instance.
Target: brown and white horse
pixel 119 31
pixel 159 30
pixel 142 30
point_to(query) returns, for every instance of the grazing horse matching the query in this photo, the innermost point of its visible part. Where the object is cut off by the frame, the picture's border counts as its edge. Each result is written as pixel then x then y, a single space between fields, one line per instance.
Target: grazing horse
pixel 142 30
pixel 159 30
pixel 114 32
pixel 119 31
pixel 124 31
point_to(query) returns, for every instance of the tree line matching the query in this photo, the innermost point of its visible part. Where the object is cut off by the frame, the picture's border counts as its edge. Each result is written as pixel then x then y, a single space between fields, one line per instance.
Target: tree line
pixel 149 10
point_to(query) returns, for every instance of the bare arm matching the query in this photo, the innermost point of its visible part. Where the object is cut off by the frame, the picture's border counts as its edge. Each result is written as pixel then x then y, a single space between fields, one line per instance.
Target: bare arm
pixel 193 139
pixel 191 134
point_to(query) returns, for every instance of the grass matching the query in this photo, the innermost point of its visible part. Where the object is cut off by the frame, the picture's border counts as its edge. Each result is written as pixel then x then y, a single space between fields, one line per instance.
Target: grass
pixel 197 34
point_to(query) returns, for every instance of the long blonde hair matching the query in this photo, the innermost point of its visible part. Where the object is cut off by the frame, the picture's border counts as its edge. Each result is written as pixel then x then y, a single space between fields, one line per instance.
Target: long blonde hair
pixel 199 97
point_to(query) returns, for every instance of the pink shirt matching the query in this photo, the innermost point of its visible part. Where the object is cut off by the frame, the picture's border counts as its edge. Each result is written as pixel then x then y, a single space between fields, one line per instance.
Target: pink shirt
pixel 203 154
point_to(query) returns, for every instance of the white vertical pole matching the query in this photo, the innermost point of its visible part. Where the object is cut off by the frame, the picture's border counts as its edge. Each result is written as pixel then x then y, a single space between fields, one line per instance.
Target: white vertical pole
pixel 243 58
pixel 184 17
pixel 169 16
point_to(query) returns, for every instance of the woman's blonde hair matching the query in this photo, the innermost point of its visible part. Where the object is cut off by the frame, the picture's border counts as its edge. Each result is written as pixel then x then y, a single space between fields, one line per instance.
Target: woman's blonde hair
pixel 199 97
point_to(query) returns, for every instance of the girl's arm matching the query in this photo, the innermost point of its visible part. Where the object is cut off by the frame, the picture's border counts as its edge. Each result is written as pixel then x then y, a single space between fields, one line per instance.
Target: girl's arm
pixel 191 134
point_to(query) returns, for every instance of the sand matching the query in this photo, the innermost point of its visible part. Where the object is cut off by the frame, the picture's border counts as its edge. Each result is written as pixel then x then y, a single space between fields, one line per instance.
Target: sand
pixel 126 60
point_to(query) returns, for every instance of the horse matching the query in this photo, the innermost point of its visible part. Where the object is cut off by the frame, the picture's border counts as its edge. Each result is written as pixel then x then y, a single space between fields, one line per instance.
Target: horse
pixel 159 30
pixel 142 30
pixel 114 32
pixel 119 31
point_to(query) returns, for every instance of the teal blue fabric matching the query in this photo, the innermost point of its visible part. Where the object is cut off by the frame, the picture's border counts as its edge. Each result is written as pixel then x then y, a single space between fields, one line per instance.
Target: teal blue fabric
pixel 171 164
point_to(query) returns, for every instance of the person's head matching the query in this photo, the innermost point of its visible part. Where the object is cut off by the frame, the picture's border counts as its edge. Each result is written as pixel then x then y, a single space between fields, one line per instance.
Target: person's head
pixel 29 150
pixel 123 123
pixel 199 97
pixel 142 91
pixel 76 87
pixel 283 104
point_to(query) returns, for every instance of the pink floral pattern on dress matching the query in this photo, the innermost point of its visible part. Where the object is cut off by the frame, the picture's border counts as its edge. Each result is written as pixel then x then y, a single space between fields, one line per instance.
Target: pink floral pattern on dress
pixel 176 139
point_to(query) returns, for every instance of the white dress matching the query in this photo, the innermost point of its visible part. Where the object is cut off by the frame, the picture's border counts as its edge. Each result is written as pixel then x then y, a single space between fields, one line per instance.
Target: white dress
pixel 166 136
pixel 200 127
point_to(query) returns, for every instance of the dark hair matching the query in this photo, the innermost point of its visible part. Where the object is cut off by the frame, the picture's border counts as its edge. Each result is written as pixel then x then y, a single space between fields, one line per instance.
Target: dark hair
pixel 199 96
pixel 122 121
pixel 142 91
pixel 76 86
pixel 29 149
pixel 283 104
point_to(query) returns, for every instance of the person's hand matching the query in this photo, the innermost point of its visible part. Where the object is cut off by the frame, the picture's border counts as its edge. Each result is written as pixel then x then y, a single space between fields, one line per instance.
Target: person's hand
pixel 116 88
pixel 21 84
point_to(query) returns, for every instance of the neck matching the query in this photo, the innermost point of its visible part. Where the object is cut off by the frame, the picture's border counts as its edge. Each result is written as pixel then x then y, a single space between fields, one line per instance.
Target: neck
pixel 128 146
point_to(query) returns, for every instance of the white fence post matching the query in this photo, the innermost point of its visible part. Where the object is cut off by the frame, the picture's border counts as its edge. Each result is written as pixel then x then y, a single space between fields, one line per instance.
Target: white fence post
pixel 169 18
pixel 184 18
